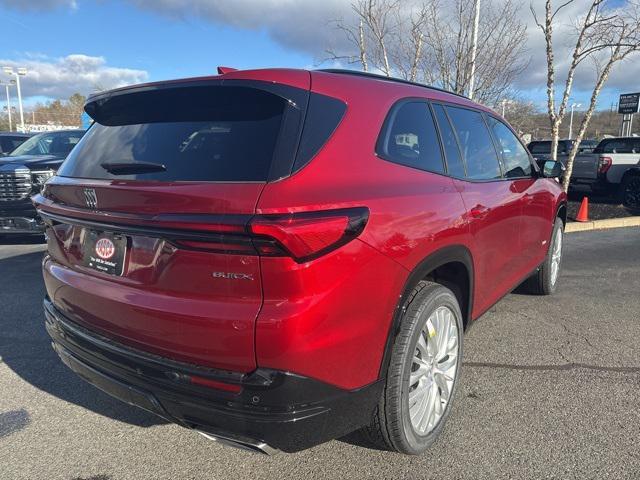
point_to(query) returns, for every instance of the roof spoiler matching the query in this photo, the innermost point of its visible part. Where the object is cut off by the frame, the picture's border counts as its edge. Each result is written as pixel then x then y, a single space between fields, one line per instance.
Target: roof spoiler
pixel 222 70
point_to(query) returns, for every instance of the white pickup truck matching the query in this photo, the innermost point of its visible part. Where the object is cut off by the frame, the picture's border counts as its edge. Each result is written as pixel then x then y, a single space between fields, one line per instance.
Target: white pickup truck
pixel 607 168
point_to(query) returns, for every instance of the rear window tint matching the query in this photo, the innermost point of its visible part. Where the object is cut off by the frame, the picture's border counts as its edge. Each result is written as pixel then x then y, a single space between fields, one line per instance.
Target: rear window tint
pixel 410 138
pixel 622 145
pixel 323 117
pixel 196 133
pixel 544 147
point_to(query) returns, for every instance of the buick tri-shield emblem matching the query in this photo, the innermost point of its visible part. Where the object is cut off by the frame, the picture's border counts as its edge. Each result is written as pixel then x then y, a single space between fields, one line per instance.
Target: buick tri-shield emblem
pixel 90 198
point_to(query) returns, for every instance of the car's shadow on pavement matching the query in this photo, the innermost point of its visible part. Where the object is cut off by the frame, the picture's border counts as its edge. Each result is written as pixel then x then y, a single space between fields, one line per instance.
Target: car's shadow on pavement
pixel 25 346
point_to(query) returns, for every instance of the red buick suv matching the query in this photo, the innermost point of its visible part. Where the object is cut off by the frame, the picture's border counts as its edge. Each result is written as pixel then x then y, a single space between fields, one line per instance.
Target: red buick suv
pixel 276 258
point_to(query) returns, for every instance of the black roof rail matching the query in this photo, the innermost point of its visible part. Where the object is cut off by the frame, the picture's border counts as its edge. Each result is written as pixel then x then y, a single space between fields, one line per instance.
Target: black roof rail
pixel 376 76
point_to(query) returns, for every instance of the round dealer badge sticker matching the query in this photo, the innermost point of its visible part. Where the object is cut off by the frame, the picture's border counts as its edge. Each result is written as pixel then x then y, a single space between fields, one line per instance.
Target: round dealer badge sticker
pixel 105 248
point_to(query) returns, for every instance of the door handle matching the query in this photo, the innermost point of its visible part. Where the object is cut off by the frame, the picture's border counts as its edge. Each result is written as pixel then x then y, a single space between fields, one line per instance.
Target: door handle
pixel 479 211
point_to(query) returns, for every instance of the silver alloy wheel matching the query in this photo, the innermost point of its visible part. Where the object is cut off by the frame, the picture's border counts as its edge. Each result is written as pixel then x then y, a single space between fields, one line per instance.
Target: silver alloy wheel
pixel 556 256
pixel 433 370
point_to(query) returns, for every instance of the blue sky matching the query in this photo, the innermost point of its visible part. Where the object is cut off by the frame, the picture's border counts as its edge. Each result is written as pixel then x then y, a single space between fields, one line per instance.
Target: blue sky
pixel 129 37
pixel 136 40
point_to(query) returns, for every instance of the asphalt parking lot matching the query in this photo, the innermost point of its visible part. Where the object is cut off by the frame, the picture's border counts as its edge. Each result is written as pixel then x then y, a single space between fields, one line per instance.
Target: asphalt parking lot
pixel 550 389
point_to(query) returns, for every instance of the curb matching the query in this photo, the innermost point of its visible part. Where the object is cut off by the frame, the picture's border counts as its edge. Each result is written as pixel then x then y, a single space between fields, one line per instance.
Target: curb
pixel 602 224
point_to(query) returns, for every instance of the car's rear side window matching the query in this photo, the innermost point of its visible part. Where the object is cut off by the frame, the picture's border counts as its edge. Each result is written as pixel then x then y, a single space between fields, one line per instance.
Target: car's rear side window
pixel 455 167
pixel 410 138
pixel 196 134
pixel 476 144
pixel 621 145
pixel 8 143
pixel 540 147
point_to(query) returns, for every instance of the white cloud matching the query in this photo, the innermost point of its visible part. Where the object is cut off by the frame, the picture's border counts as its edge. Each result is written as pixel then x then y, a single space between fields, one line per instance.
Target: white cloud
pixel 307 26
pixel 62 77
pixel 303 25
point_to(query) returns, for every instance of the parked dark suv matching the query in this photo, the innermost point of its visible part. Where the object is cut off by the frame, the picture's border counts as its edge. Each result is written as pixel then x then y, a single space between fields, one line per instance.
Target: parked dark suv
pixel 277 258
pixel 24 172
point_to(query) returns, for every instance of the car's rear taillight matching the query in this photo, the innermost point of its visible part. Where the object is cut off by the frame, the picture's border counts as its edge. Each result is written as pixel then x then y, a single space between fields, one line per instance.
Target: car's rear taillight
pixel 302 236
pixel 308 235
pixel 604 164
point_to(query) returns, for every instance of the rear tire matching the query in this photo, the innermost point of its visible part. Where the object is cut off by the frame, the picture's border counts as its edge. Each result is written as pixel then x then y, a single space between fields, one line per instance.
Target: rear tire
pixel 545 280
pixel 423 372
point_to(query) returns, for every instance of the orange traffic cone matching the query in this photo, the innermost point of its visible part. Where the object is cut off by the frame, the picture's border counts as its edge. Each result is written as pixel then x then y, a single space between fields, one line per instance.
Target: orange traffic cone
pixel 583 213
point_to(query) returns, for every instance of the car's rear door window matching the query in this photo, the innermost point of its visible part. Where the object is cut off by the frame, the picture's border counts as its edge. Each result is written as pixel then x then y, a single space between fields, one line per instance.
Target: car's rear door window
pixel 410 138
pixel 455 166
pixel 476 144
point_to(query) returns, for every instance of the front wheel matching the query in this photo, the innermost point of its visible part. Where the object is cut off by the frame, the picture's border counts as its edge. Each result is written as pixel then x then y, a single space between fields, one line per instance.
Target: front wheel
pixel 630 192
pixel 423 372
pixel 545 280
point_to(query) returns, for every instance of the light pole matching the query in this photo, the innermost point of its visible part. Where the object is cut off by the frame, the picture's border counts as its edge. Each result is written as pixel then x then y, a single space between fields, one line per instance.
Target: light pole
pixel 6 86
pixel 474 48
pixel 573 105
pixel 17 73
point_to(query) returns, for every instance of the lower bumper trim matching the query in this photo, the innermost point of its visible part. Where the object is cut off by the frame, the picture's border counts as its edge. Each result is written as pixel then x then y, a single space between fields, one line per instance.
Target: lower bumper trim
pixel 274 410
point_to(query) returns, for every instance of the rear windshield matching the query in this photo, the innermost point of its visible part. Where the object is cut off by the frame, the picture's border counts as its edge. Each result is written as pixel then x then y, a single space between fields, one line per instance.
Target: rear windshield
pixel 618 145
pixel 191 134
pixel 545 147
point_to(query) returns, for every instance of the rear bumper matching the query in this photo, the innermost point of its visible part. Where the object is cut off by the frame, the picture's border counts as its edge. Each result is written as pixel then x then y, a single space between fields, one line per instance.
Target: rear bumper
pixel 21 226
pixel 273 410
pixel 599 184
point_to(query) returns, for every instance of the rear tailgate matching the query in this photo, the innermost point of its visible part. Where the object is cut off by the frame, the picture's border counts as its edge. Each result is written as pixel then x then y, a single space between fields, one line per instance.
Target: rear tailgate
pixel 147 219
pixel 163 296
pixel 585 167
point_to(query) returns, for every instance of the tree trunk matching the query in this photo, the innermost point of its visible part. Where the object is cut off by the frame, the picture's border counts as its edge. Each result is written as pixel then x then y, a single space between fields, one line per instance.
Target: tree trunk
pixel 602 79
pixel 363 48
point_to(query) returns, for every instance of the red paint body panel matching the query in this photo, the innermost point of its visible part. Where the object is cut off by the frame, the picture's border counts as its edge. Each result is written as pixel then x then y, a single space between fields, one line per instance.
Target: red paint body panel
pixel 327 318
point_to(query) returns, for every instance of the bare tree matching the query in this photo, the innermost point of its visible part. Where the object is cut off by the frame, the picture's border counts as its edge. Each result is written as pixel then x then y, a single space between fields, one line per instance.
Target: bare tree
pixel 520 114
pixel 429 41
pixel 605 35
pixel 376 29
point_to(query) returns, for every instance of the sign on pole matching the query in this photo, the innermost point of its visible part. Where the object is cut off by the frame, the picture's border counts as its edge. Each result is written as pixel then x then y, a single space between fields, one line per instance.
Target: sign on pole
pixel 629 103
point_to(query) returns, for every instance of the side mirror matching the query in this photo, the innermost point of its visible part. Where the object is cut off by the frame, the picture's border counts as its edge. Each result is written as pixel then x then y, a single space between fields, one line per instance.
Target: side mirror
pixel 552 169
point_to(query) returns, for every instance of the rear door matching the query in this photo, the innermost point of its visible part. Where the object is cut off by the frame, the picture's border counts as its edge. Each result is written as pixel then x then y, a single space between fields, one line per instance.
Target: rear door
pixel 585 167
pixel 147 217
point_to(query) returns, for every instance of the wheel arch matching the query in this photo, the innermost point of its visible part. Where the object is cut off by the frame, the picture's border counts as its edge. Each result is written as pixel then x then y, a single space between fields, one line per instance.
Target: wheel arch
pixel 561 211
pixel 450 266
